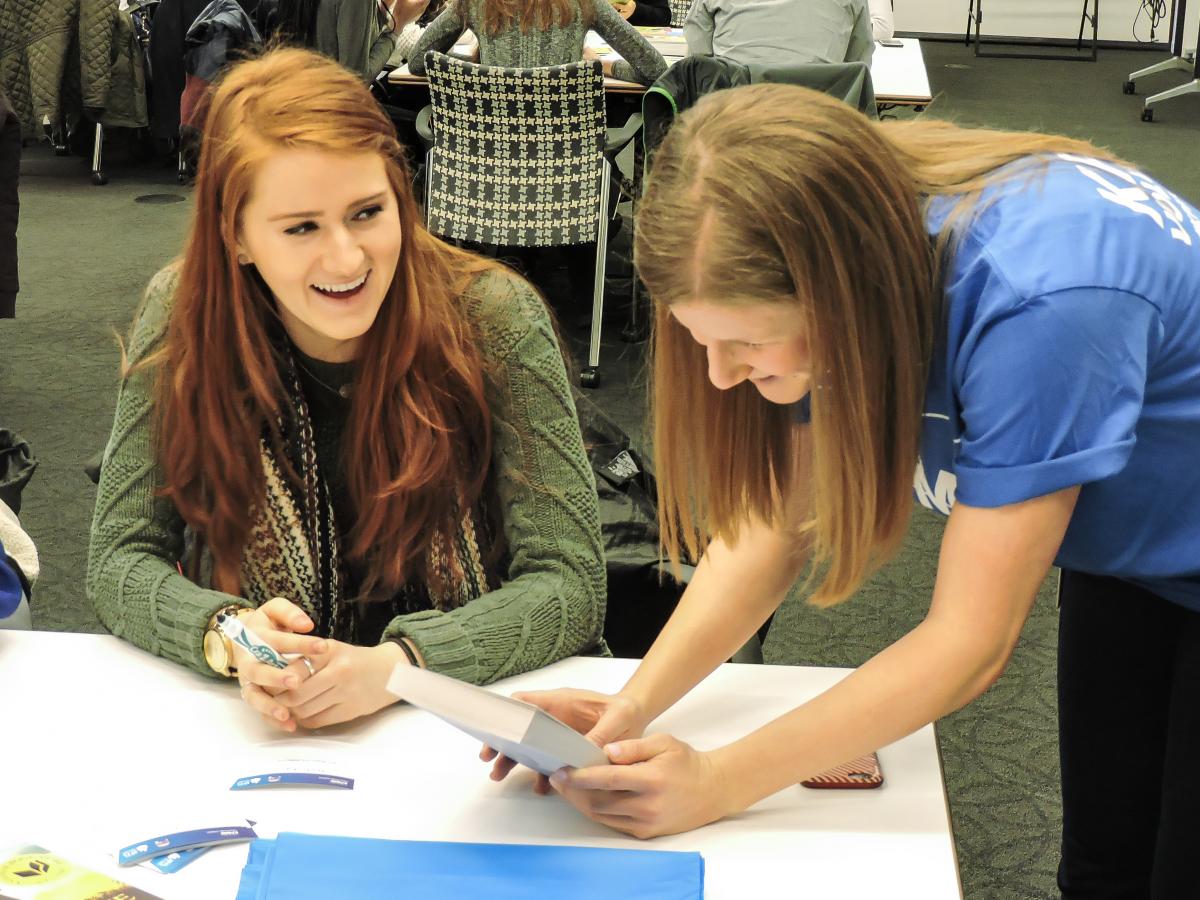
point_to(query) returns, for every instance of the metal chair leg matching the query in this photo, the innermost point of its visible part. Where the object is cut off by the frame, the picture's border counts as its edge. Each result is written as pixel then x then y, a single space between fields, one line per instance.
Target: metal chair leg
pixel 590 376
pixel 635 330
pixel 98 176
pixel 428 180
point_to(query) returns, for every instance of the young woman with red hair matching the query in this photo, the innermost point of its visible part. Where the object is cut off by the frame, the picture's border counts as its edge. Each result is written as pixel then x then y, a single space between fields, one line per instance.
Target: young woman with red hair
pixel 368 434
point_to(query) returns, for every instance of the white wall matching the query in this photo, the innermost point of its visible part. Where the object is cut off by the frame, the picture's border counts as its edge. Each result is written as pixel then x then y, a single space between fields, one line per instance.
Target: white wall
pixel 1036 18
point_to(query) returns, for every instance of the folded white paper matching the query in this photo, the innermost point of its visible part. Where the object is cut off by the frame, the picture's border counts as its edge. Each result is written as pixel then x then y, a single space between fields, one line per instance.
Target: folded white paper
pixel 520 731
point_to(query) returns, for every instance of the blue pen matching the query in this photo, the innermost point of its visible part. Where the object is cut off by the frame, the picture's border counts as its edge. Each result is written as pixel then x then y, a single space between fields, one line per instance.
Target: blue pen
pixel 232 628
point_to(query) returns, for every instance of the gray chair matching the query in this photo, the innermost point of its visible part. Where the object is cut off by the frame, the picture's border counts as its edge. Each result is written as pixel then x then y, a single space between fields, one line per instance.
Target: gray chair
pixel 519 157
pixel 679 11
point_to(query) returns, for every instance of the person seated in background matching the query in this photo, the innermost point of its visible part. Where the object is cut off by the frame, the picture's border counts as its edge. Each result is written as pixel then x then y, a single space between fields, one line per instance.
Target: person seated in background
pixel 780 32
pixel 883 20
pixel 537 33
pixel 644 12
pixel 18 571
pixel 360 34
pixel 533 33
pixel 364 436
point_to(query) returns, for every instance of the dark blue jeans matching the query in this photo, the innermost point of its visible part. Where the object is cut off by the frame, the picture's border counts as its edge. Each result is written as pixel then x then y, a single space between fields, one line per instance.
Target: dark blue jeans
pixel 1129 742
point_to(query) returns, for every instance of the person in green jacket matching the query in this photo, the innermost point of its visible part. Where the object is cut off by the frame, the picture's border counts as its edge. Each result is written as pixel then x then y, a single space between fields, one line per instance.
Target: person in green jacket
pixel 360 34
pixel 355 438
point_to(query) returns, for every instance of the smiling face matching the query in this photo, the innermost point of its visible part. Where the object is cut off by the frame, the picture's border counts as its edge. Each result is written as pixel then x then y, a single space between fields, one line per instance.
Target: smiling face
pixel 764 343
pixel 323 230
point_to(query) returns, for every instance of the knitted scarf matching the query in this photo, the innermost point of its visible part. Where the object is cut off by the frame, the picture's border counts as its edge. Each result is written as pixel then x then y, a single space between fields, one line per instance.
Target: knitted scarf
pixel 293 549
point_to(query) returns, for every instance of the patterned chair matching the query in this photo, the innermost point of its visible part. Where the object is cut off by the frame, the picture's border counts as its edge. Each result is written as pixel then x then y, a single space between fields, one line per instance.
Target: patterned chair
pixel 679 12
pixel 518 159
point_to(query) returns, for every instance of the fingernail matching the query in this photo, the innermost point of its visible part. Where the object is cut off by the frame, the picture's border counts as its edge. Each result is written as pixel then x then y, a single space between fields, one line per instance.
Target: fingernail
pixel 613 750
pixel 559 776
pixel 281 715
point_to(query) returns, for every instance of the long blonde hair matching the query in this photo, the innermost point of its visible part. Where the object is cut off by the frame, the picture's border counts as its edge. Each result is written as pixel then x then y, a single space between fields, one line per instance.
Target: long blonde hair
pixel 529 14
pixel 774 193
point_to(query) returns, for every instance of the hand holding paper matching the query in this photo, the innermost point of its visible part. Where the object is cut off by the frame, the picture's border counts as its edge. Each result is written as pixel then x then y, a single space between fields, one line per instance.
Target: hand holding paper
pixel 602 718
pixel 657 785
pixel 520 731
pixel 281 624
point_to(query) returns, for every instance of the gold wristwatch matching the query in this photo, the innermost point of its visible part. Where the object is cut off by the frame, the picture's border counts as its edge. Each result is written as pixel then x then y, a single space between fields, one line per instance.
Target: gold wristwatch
pixel 218 649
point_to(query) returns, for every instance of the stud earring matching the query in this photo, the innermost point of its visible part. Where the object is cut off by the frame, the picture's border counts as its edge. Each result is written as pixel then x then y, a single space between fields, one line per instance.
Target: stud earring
pixel 243 259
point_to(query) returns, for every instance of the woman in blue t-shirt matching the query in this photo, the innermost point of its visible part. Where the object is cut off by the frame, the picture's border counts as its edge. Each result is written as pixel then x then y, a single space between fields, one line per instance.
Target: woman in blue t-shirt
pixel 1013 317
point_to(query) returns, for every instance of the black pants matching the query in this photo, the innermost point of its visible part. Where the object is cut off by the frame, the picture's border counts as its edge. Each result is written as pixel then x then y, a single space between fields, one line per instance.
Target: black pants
pixel 1129 736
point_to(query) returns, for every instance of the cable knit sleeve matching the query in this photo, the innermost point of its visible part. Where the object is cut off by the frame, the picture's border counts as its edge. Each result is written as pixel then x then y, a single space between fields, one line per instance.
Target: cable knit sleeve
pixel 137 536
pixel 440 35
pixel 552 602
pixel 639 61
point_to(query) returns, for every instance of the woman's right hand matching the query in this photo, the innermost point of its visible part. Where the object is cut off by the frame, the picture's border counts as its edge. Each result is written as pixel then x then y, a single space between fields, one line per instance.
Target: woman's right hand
pixel 601 718
pixel 405 12
pixel 284 626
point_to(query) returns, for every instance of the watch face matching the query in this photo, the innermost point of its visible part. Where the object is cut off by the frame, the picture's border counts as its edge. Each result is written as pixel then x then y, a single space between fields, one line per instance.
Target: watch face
pixel 214 651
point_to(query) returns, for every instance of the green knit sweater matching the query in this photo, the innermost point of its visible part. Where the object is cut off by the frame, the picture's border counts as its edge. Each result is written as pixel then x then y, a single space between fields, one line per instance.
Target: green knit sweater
pixel 556 46
pixel 552 599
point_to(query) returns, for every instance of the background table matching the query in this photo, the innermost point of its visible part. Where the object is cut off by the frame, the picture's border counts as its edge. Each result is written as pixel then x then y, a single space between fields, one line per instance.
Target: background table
pixel 92 724
pixel 897 73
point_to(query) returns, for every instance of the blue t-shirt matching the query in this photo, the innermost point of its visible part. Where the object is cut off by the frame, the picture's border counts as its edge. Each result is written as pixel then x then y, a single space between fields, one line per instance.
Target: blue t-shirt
pixel 1072 356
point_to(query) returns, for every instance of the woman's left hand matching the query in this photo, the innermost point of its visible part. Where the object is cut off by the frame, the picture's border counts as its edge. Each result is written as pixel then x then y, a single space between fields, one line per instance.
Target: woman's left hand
pixel 656 785
pixel 349 682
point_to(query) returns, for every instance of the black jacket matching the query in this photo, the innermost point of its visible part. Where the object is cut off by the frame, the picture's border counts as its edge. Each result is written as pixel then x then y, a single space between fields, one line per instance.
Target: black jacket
pixel 220 32
pixel 10 170
pixel 691 78
pixel 171 22
pixel 651 12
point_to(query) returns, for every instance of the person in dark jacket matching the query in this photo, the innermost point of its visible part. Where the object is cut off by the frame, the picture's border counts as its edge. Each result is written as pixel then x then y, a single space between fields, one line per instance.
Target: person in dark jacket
pixel 644 12
pixel 10 170
pixel 171 22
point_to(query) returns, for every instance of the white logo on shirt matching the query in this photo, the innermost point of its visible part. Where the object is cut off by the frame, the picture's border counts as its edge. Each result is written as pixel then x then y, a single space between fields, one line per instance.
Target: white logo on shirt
pixel 1169 212
pixel 941 497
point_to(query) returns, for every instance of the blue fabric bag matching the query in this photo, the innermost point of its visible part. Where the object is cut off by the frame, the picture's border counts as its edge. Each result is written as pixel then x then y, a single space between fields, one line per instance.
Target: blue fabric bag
pixel 296 866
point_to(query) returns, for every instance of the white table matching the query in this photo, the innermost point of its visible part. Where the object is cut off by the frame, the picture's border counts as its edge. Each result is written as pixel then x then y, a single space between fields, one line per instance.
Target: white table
pixel 90 720
pixel 898 74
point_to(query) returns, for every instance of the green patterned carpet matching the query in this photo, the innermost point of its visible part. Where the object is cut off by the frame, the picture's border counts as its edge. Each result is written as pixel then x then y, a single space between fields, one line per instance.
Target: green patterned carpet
pixel 1000 754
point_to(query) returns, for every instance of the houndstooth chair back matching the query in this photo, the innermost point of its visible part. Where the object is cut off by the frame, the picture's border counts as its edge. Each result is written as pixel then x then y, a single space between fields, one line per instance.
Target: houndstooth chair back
pixel 679 11
pixel 517 153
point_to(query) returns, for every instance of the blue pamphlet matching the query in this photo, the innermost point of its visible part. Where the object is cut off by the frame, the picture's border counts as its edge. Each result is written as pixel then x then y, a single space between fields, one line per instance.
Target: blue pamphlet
pixel 283 779
pixel 182 840
pixel 176 860
pixel 297 866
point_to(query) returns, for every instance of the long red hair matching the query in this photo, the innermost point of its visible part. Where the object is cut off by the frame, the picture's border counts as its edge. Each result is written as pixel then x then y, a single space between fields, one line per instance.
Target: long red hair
pixel 420 429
